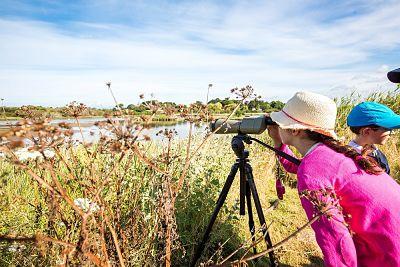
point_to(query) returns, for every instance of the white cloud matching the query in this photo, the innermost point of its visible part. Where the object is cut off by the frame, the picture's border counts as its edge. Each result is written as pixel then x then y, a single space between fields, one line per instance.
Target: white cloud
pixel 279 49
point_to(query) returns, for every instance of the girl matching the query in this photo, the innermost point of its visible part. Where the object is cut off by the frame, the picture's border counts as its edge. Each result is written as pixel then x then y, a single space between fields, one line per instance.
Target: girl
pixel 372 123
pixel 369 199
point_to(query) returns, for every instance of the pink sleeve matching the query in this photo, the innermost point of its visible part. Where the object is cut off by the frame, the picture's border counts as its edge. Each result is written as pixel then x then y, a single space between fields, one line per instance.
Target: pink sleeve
pixel 289 166
pixel 333 237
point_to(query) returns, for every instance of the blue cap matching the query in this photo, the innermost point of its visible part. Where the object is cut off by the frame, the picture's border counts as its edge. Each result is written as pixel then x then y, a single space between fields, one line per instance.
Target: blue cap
pixel 372 113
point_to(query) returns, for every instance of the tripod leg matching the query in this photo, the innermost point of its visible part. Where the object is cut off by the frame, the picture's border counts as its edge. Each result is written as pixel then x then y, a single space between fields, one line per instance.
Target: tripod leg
pixel 220 202
pixel 243 187
pixel 251 219
pixel 260 213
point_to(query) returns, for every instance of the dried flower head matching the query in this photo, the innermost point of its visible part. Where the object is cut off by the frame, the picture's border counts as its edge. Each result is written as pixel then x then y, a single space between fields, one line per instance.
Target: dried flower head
pixel 326 202
pixel 168 110
pixel 167 133
pixel 122 134
pixel 244 92
pixel 32 113
pixel 195 113
pixel 40 134
pixel 75 109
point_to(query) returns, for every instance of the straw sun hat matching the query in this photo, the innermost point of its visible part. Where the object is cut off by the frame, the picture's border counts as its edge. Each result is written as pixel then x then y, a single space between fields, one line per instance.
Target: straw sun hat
pixel 306 110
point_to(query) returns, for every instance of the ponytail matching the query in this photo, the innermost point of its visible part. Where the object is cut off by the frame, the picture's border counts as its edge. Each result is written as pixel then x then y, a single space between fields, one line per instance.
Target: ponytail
pixel 368 164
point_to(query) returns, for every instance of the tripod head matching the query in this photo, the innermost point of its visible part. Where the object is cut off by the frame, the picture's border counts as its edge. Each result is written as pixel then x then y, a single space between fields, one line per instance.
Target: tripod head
pixel 237 145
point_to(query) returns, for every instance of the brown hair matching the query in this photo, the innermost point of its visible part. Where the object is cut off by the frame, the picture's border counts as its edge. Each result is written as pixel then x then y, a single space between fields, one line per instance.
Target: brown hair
pixel 368 164
pixel 357 129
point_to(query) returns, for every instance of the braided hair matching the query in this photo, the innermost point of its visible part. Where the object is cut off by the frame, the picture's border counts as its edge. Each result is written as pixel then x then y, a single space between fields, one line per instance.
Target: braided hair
pixel 368 164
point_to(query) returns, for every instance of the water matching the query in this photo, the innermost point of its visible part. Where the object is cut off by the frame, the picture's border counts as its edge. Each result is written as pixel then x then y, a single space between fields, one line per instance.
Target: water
pixel 91 133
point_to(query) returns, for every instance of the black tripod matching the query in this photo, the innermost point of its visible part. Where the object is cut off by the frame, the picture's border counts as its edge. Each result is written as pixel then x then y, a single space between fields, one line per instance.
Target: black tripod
pixel 247 190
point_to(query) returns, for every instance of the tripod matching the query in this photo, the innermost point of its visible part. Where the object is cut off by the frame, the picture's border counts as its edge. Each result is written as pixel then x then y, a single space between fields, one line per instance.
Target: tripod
pixel 247 191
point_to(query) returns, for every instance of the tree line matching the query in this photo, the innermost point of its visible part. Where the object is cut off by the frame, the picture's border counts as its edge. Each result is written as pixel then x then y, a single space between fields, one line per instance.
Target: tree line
pixel 216 106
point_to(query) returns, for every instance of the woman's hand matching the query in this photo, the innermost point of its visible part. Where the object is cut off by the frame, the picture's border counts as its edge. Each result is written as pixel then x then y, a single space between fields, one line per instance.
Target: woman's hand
pixel 273 131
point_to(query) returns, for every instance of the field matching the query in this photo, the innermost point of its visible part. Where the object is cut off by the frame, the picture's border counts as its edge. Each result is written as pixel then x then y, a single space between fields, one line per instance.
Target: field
pixel 130 201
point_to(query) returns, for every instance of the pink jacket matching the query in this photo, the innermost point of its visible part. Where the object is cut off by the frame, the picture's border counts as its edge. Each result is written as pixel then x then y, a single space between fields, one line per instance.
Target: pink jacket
pixel 373 201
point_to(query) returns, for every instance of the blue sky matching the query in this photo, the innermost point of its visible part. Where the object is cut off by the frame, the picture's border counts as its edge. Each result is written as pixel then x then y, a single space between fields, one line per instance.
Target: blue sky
pixel 55 52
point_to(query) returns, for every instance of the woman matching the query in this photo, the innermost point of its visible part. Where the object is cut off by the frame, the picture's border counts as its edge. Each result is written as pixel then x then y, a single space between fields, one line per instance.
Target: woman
pixel 363 229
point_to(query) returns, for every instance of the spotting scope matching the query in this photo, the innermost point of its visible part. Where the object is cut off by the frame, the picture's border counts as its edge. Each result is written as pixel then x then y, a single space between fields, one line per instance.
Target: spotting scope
pixel 248 125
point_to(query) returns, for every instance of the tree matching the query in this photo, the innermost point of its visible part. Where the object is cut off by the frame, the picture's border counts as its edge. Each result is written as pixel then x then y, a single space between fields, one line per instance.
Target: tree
pixel 264 106
pixel 215 108
pixel 277 104
pixel 131 106
pixel 228 108
pixel 213 101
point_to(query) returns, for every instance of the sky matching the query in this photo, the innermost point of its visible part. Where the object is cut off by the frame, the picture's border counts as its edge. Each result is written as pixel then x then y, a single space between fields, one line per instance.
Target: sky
pixel 54 52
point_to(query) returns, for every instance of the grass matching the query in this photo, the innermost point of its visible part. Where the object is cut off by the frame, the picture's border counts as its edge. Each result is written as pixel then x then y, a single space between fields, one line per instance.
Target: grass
pixel 25 211
pixel 142 211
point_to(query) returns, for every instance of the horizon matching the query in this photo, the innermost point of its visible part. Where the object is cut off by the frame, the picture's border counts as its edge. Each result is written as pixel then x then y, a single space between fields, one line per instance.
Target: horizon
pixel 58 52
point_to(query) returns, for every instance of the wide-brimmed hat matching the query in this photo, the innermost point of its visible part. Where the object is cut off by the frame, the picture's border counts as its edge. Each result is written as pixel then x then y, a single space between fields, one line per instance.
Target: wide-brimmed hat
pixel 306 110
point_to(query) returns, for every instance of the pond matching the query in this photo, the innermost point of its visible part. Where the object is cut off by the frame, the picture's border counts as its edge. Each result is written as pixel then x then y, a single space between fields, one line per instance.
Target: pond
pixel 91 133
